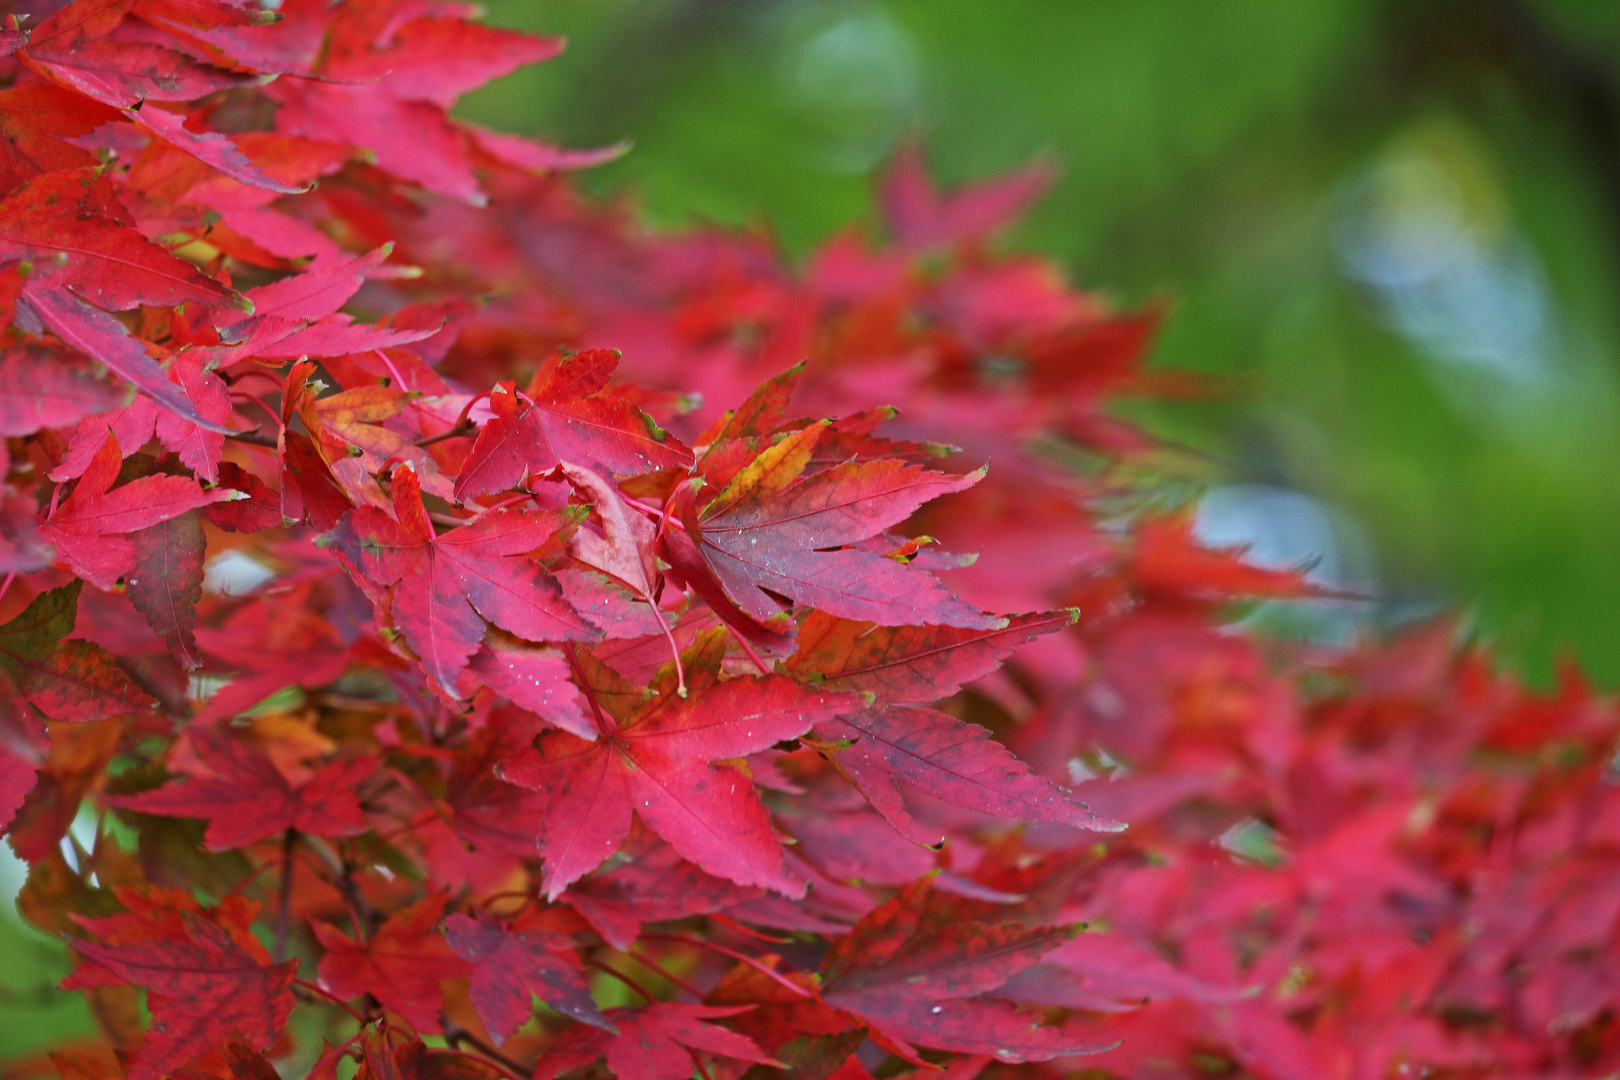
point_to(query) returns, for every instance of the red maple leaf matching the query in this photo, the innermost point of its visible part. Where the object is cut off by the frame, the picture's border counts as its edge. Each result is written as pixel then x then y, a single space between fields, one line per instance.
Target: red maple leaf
pixel 510 966
pixel 950 760
pixel 920 217
pixel 400 964
pixel 203 991
pixel 774 531
pixel 654 1043
pixel 90 528
pixel 45 389
pixel 1170 561
pixel 166 582
pixel 566 416
pixel 33 119
pixel 660 761
pixel 75 217
pixel 245 797
pixel 921 983
pixel 910 664
pixel 445 587
pixel 64 679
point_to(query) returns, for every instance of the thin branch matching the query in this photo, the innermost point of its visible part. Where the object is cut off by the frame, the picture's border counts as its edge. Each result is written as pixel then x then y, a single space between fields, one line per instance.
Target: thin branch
pixel 289 849
pixel 252 438
pixel 455 1035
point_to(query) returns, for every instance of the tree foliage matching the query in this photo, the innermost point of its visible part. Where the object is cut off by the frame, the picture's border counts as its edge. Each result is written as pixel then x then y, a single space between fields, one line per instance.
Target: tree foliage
pixel 553 681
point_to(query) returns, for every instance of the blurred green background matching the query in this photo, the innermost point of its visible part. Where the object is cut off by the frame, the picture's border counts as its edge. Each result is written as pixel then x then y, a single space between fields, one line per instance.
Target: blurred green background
pixel 1396 221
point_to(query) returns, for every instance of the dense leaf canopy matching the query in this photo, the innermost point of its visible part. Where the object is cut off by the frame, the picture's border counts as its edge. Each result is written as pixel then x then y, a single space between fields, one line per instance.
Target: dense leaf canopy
pixel 426 594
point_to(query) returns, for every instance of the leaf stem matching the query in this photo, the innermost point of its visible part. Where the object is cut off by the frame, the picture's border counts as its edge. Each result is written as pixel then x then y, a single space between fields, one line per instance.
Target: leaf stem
pixel 674 646
pixel 311 988
pixel 732 924
pixel 622 977
pixel 448 433
pixel 673 980
pixel 775 976
pixel 749 649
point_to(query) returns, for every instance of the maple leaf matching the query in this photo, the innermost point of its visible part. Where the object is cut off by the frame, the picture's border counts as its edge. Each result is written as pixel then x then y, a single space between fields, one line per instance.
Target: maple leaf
pixel 259 511
pixel 918 982
pixel 97 334
pixel 1110 973
pixel 245 797
pixel 71 47
pixel 402 121
pixel 35 123
pixel 64 679
pixel 46 389
pixel 653 1043
pixel 75 217
pixel 910 664
pixel 532 676
pixel 951 760
pixel 1169 560
pixel 79 754
pixel 566 416
pixel 623 552
pixel 203 990
pixel 89 528
pixel 485 812
pixel 771 532
pixel 446 586
pixel 277 642
pixel 920 218
pixel 660 762
pixel 21 549
pixel 346 431
pixel 400 964
pixel 656 887
pixel 165 582
pixel 123 74
pixel 511 965
pixel 205 14
pixel 17 779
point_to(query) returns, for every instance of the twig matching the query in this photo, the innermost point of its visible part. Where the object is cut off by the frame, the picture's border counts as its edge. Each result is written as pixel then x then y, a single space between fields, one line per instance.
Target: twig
pixel 289 845
pixel 455 1034
pixel 252 438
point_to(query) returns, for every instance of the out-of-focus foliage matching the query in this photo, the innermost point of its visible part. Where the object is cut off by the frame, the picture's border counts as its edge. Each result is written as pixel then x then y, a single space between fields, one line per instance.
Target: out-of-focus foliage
pixel 1392 226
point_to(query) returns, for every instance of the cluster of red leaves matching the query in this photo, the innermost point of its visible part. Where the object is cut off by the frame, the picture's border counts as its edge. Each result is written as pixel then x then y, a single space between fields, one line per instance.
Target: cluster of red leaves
pixel 438 658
